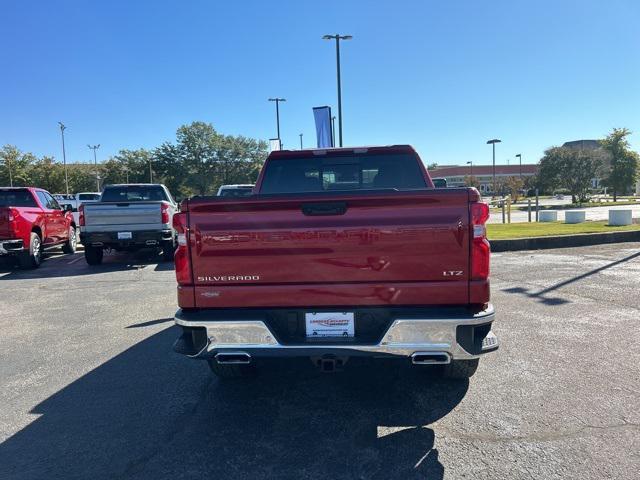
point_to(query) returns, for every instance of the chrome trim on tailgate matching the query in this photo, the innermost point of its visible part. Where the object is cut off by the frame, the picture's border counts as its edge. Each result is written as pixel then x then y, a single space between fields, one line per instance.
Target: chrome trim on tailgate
pixel 403 338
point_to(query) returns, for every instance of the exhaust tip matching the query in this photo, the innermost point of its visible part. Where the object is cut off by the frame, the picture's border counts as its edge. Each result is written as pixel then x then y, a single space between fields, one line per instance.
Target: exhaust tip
pixel 235 358
pixel 430 358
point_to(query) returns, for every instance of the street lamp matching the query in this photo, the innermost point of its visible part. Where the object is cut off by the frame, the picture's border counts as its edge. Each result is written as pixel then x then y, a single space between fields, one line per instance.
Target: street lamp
pixel 337 38
pixel 301 147
pixel 519 156
pixel 278 100
pixel 95 164
pixel 493 144
pixel 126 173
pixel 470 168
pixel 64 157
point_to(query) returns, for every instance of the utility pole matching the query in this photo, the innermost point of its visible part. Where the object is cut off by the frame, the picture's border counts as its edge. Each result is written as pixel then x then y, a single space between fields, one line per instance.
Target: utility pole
pixel 519 156
pixel 278 100
pixel 301 147
pixel 493 144
pixel 95 164
pixel 337 38
pixel 64 158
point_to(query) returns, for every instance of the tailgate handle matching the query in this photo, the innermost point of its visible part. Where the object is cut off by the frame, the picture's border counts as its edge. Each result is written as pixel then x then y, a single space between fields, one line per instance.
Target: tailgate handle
pixel 324 208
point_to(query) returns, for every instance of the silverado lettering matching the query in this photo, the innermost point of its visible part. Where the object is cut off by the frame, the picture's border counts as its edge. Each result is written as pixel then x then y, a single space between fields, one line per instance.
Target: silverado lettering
pixel 229 278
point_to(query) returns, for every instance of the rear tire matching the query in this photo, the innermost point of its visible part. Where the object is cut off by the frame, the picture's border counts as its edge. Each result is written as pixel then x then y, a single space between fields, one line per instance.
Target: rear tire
pixel 168 249
pixel 460 369
pixel 33 257
pixel 230 371
pixel 72 242
pixel 93 255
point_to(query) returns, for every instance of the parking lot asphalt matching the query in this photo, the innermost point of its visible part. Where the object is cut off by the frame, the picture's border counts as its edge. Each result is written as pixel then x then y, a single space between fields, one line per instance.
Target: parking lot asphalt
pixel 90 388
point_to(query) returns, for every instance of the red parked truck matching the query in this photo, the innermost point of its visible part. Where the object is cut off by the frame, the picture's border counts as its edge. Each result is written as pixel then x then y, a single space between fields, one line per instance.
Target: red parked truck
pixel 338 253
pixel 31 220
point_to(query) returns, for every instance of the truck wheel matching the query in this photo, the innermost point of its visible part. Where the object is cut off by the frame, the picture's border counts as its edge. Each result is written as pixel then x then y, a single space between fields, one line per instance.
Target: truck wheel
pixel 71 243
pixel 460 369
pixel 168 249
pixel 230 371
pixel 33 257
pixel 93 255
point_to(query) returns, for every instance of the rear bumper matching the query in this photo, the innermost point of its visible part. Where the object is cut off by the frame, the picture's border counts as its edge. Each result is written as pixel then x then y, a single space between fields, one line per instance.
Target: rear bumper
pixel 11 246
pixel 139 239
pixel 461 337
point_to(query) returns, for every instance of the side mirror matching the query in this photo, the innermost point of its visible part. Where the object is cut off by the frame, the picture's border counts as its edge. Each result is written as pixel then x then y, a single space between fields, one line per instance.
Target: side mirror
pixel 68 207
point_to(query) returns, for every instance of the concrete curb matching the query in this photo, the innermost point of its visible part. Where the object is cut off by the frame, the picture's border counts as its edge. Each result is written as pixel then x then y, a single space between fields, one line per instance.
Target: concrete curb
pixel 563 241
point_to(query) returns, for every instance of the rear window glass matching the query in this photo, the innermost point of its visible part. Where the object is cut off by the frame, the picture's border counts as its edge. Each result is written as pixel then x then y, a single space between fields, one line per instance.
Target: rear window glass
pixel 236 192
pixel 134 193
pixel 17 198
pixel 344 173
pixel 88 196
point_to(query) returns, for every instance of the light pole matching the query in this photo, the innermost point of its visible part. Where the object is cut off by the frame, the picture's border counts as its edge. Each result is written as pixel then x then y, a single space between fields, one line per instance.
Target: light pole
pixel 337 38
pixel 470 168
pixel 301 147
pixel 519 156
pixel 64 157
pixel 95 164
pixel 126 173
pixel 493 144
pixel 333 131
pixel 8 162
pixel 278 100
pixel 150 171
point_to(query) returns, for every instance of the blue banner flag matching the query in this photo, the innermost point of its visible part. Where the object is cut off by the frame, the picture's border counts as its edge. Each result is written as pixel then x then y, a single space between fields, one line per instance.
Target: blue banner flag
pixel 322 116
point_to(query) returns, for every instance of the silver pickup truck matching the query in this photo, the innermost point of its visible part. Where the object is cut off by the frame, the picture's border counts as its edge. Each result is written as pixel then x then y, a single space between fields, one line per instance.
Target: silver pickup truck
pixel 128 217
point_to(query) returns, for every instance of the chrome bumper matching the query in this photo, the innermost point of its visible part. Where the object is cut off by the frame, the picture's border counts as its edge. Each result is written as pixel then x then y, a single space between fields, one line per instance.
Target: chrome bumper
pixel 11 246
pixel 403 338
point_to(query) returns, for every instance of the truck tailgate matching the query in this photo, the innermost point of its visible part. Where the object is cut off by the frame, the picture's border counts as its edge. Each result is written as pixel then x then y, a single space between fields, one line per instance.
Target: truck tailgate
pixel 379 248
pixel 135 214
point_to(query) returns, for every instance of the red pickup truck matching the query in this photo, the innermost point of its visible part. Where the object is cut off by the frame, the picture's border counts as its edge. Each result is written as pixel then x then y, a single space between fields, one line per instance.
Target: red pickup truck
pixel 338 253
pixel 31 220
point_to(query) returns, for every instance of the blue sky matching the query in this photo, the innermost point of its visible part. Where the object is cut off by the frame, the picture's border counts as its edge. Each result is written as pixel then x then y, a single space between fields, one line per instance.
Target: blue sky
pixel 444 76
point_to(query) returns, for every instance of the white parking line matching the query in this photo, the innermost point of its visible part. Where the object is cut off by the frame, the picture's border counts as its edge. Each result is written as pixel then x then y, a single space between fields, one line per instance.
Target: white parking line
pixel 74 260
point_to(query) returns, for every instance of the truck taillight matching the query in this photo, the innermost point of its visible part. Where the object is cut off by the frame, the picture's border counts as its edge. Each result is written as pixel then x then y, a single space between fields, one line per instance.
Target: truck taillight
pixel 13 220
pixel 480 248
pixel 81 215
pixel 181 257
pixel 164 212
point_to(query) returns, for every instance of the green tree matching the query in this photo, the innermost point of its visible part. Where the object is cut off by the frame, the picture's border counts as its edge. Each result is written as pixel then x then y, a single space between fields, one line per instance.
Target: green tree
pixel 15 166
pixel 571 169
pixel 623 162
pixel 46 173
pixel 202 159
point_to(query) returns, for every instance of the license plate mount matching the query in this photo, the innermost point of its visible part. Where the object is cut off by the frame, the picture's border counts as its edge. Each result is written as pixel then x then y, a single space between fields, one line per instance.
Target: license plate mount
pixel 330 324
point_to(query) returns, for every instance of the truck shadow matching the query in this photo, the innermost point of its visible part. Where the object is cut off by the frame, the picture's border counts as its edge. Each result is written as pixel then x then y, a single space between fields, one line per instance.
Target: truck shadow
pixel 58 265
pixel 148 413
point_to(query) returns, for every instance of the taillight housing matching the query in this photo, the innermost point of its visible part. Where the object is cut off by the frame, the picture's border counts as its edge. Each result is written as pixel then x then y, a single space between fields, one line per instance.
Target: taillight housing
pixel 164 212
pixel 81 215
pixel 480 248
pixel 181 257
pixel 13 221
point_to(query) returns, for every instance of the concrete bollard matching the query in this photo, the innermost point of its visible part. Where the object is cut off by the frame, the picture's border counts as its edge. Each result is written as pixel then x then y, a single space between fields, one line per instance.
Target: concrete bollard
pixel 548 215
pixel 620 217
pixel 575 216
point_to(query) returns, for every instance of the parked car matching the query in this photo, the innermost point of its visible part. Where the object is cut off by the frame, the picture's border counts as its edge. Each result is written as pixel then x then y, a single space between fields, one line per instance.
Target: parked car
pixel 341 252
pixel 243 190
pixel 32 221
pixel 128 217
